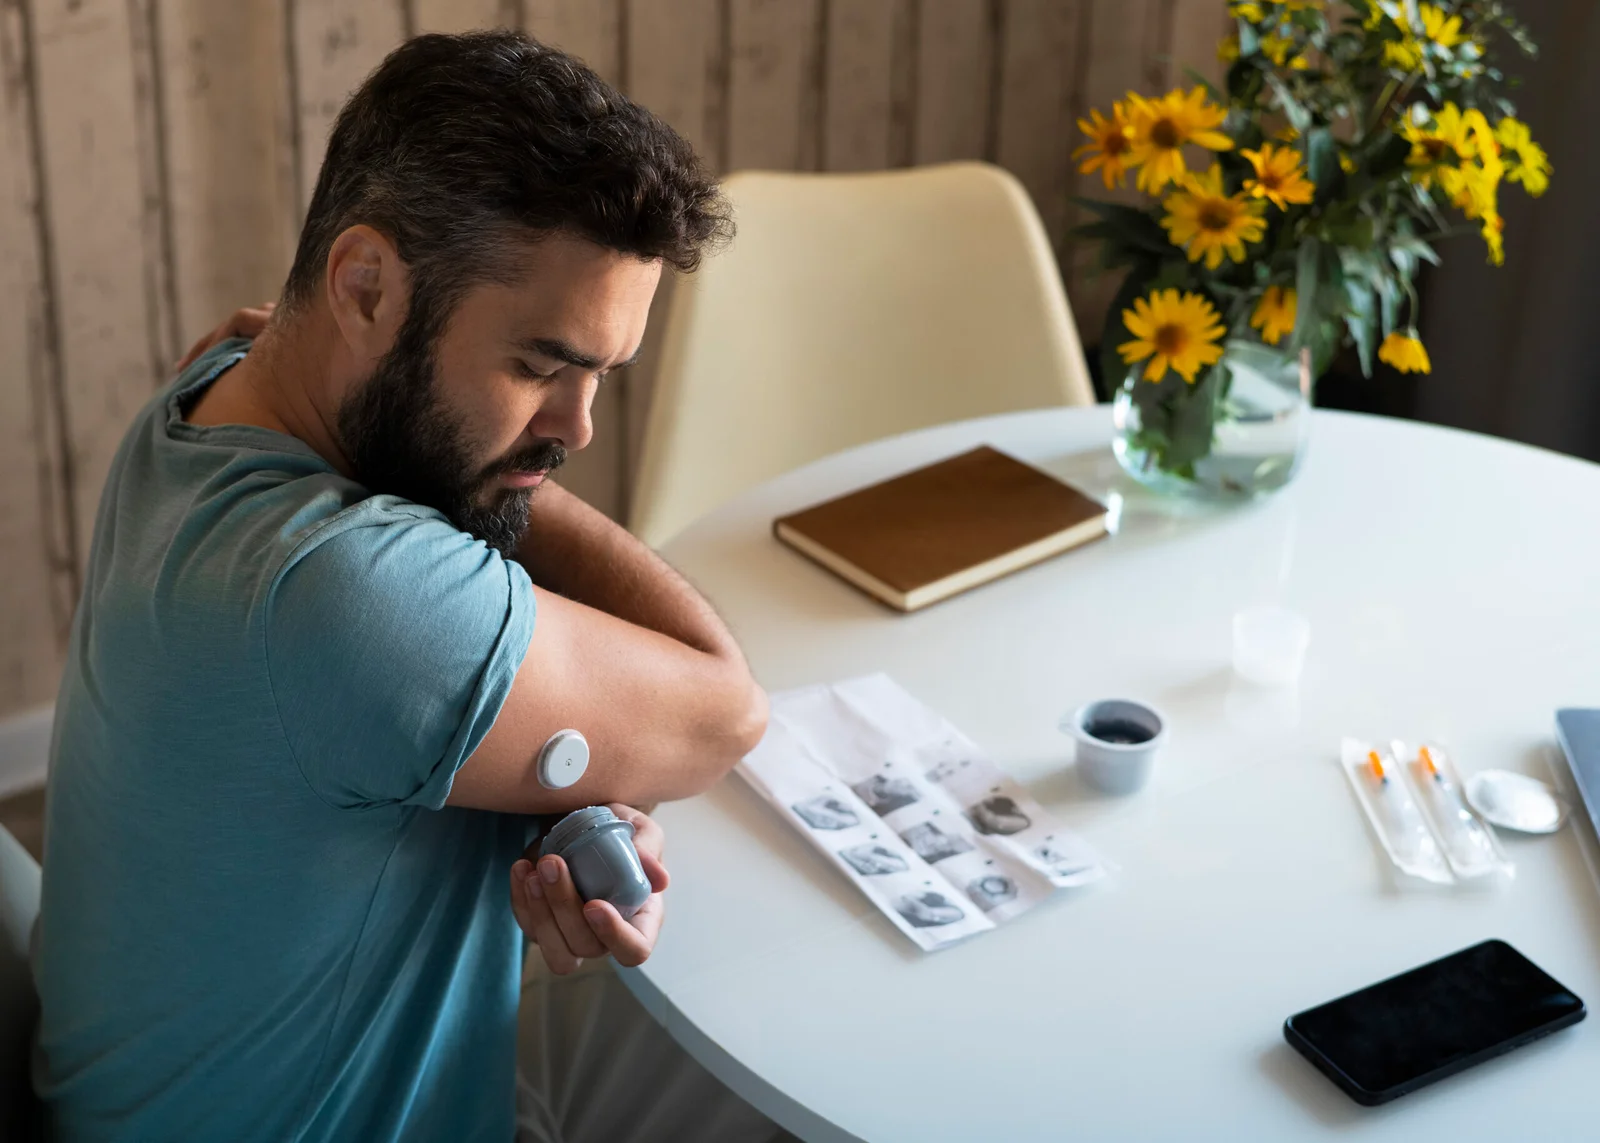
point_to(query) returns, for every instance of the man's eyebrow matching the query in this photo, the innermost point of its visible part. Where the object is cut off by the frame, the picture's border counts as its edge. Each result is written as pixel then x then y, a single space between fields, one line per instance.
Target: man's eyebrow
pixel 563 351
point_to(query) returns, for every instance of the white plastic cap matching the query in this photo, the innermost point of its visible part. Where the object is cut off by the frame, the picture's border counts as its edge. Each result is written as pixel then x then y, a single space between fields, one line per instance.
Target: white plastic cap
pixel 563 759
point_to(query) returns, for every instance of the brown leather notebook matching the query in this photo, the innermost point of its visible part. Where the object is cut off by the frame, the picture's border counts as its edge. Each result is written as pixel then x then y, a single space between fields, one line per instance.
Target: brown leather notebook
pixel 929 534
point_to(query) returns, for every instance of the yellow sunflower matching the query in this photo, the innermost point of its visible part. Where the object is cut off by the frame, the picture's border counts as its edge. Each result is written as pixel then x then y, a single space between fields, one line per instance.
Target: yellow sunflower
pixel 1279 176
pixel 1108 145
pixel 1275 313
pixel 1404 54
pixel 1472 188
pixel 1528 164
pixel 1254 10
pixel 1172 331
pixel 1474 185
pixel 1228 49
pixel 1405 352
pixel 1475 189
pixel 1446 142
pixel 1159 129
pixel 1494 232
pixel 1280 50
pixel 1208 223
pixel 1437 25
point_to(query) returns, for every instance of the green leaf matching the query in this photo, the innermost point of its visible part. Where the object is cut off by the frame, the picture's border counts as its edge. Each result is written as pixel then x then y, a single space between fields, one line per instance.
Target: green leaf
pixel 1135 228
pixel 1389 295
pixel 1322 164
pixel 1172 275
pixel 1305 286
pixel 1355 233
pixel 1389 157
pixel 1318 282
pixel 1249 39
pixel 1177 418
pixel 1095 231
pixel 1299 117
pixel 1194 418
pixel 1363 267
pixel 1325 340
pixel 1407 250
pixel 1115 251
pixel 1244 81
pixel 1360 319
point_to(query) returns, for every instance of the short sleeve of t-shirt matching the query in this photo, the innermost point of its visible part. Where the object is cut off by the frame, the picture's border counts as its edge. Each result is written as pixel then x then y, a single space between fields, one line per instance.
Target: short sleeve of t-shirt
pixel 392 641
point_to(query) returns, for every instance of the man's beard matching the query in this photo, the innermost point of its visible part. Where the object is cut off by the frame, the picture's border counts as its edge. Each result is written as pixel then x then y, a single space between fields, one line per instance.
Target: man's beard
pixel 400 439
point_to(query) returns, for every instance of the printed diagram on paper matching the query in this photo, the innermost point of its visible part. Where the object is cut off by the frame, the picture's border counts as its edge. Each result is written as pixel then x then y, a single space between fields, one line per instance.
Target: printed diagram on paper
pixel 941 840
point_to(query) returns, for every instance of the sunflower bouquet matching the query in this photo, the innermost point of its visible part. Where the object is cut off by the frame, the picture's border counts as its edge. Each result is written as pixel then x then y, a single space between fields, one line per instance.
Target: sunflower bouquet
pixel 1289 212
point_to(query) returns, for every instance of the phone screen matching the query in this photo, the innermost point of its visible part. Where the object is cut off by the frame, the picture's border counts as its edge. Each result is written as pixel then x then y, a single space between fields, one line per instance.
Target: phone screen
pixel 1425 1024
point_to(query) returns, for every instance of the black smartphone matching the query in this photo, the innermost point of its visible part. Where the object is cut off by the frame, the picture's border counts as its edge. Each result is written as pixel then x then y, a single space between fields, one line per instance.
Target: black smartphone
pixel 1418 1027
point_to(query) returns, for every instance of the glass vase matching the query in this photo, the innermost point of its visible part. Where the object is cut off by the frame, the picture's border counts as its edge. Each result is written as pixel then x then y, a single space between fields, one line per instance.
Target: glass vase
pixel 1237 431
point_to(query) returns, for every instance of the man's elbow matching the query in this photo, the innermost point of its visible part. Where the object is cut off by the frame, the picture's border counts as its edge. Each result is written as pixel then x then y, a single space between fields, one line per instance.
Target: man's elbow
pixel 749 724
pixel 739 728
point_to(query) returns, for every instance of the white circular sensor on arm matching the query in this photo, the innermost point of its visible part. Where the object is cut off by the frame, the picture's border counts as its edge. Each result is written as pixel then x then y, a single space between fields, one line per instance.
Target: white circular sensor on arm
pixel 563 759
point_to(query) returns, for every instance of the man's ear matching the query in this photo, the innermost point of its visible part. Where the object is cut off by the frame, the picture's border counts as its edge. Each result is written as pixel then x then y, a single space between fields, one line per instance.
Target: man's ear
pixel 367 288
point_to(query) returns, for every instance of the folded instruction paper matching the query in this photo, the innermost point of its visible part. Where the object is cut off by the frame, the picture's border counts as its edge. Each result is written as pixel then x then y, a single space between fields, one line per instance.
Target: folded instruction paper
pixel 911 810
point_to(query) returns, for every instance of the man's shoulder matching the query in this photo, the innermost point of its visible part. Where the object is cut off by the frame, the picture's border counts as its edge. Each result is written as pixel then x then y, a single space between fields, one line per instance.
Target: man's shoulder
pixel 390 568
pixel 372 537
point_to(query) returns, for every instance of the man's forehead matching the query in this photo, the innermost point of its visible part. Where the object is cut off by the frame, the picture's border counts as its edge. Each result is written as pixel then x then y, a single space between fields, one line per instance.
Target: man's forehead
pixel 595 307
pixel 573 260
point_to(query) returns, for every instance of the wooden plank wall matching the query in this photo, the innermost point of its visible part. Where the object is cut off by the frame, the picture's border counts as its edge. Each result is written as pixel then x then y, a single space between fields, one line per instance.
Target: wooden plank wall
pixel 156 156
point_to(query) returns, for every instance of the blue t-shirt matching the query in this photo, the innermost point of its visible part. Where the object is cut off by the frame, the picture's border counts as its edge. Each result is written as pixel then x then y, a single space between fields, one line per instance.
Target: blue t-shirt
pixel 259 921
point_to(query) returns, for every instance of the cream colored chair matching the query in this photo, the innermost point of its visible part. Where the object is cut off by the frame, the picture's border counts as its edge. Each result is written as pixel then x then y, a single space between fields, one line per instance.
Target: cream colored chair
pixel 851 307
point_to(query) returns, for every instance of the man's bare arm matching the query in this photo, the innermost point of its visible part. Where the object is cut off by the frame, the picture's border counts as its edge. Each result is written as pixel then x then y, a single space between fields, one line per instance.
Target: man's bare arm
pixel 574 549
pixel 628 653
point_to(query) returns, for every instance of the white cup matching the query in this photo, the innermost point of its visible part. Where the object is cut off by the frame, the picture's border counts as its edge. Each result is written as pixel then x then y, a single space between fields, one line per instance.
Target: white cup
pixel 1117 743
pixel 1269 645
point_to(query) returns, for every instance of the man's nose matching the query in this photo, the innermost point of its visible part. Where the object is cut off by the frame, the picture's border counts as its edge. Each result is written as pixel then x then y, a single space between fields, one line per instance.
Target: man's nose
pixel 565 416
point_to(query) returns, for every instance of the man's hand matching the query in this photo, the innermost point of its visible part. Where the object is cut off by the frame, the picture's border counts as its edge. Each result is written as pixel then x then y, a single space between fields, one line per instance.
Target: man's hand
pixel 566 929
pixel 247 322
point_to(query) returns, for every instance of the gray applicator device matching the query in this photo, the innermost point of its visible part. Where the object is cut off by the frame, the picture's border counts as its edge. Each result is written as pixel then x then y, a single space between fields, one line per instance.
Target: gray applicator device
pixel 596 844
pixel 598 848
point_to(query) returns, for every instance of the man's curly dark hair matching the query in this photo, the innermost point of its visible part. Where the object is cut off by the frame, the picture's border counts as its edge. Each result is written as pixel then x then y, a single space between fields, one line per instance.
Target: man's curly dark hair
pixel 461 148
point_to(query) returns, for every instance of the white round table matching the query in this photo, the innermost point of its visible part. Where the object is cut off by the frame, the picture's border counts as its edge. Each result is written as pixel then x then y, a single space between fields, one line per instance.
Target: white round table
pixel 1453 587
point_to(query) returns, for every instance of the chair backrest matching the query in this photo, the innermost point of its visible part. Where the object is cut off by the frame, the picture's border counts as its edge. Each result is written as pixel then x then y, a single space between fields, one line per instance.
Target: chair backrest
pixel 848 308
pixel 19 1004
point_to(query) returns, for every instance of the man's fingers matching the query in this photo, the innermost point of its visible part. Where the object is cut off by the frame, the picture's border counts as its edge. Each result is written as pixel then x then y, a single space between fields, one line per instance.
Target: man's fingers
pixel 200 346
pixel 547 934
pixel 567 929
pixel 654 870
pixel 521 904
pixel 629 946
pixel 647 835
pixel 567 907
pixel 534 917
pixel 247 322
pixel 648 919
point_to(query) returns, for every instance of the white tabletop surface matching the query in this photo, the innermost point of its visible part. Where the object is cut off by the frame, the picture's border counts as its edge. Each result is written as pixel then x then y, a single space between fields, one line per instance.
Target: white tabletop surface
pixel 1453 587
